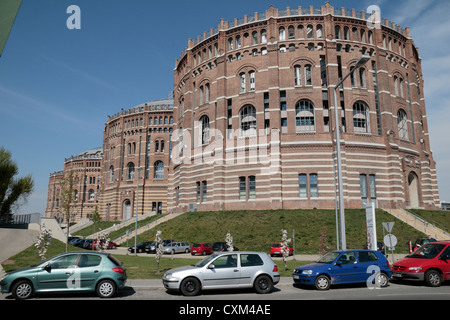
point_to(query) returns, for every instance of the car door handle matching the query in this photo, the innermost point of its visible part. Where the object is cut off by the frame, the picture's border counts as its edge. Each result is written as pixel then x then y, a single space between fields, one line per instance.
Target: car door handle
pixel 235 270
pixel 95 271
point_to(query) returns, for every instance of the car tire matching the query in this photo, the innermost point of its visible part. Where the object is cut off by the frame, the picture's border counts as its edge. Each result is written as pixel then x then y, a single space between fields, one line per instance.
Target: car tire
pixel 106 289
pixel 190 287
pixel 433 278
pixel 322 282
pixel 263 284
pixel 382 280
pixel 22 290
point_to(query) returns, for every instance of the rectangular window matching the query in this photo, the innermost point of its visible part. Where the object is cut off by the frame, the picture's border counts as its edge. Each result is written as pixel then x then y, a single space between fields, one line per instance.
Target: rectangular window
pixel 313 188
pixel 363 188
pixel 252 81
pixel 242 189
pixel 252 187
pixel 204 190
pixel 302 186
pixel 282 100
pixel 372 187
pixel 198 192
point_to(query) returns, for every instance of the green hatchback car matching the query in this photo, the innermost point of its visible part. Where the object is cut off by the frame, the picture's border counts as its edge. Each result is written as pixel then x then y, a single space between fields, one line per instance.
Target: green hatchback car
pixel 68 272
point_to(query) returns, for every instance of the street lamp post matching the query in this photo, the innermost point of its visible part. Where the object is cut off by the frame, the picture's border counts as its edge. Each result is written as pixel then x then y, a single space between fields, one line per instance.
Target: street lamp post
pixel 362 61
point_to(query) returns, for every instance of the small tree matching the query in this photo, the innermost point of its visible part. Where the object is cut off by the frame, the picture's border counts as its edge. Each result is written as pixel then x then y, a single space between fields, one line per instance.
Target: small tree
pixel 159 248
pixel 285 247
pixel 95 217
pixel 43 241
pixel 229 241
pixel 67 188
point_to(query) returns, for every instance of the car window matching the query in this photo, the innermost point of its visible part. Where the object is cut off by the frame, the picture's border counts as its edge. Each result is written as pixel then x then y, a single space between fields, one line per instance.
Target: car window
pixel 367 256
pixel 89 260
pixel 64 262
pixel 226 261
pixel 347 258
pixel 250 260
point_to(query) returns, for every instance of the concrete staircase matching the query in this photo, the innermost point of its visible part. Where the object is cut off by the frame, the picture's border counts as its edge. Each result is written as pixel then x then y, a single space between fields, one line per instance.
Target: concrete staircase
pixel 149 226
pixel 419 224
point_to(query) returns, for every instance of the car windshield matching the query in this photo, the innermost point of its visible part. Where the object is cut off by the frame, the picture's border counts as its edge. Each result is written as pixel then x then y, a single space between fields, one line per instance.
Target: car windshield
pixel 206 261
pixel 329 257
pixel 427 251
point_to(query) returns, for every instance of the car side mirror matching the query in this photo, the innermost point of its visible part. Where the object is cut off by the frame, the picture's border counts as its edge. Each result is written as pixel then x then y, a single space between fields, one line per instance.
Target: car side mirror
pixel 211 266
pixel 46 266
pixel 338 263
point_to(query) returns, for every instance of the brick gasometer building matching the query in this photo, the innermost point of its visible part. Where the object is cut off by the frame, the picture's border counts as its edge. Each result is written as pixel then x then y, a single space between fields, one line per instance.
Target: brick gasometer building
pixel 87 167
pixel 254 113
pixel 136 138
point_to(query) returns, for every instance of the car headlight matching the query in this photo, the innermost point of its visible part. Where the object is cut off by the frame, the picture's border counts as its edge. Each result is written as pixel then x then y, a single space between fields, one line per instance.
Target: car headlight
pixel 168 275
pixel 415 268
pixel 309 272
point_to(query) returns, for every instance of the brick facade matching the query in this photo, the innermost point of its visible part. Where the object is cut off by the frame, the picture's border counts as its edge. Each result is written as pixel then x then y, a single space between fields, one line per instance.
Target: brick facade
pixel 254 108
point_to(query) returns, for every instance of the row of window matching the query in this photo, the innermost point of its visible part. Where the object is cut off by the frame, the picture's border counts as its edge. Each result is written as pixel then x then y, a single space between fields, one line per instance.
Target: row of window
pixel 158 171
pixel 307 186
pixel 304 120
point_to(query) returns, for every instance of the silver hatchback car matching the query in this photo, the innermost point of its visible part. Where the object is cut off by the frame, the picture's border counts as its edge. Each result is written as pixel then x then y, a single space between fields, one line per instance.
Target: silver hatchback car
pixel 227 270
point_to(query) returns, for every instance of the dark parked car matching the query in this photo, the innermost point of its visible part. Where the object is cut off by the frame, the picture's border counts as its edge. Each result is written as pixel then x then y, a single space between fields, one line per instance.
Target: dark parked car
pixel 222 246
pixel 347 266
pixel 140 246
pixel 151 248
pixel 68 272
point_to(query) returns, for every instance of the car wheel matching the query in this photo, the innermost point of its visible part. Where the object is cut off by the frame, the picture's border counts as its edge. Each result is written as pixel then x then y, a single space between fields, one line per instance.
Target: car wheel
pixel 433 278
pixel 106 289
pixel 382 280
pixel 322 282
pixel 22 290
pixel 190 287
pixel 186 251
pixel 263 284
pixel 204 253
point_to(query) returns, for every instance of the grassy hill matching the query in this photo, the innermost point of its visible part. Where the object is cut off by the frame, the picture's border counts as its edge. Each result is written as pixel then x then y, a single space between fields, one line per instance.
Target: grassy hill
pixel 257 230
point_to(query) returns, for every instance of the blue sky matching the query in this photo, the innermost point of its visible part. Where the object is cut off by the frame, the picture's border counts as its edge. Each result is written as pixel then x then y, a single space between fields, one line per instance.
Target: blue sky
pixel 57 86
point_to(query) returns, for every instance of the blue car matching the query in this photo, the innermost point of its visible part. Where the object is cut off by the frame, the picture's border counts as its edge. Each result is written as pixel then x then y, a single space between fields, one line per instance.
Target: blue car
pixel 348 266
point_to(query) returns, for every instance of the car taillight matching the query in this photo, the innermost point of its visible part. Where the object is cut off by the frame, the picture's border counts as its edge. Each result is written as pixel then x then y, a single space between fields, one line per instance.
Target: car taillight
pixel 275 268
pixel 387 262
pixel 118 270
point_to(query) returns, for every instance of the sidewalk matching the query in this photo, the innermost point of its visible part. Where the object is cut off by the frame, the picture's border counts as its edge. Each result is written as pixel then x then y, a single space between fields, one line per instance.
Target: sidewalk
pixel 156 284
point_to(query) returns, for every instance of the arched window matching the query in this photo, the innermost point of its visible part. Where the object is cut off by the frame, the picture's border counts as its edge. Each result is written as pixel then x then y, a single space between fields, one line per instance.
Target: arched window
pixel 308 75
pixel 159 170
pixel 91 195
pixel 346 33
pixel 111 174
pixel 242 86
pixel 247 120
pixel 130 171
pixel 304 116
pixel 297 75
pixel 402 123
pixel 362 77
pixel 230 44
pixel 204 129
pixel 254 37
pixel 361 117
pixel 319 32
pixel 75 195
pixel 282 34
pixel 396 86
pixel 337 32
pixel 263 36
pixel 291 32
pixel 309 32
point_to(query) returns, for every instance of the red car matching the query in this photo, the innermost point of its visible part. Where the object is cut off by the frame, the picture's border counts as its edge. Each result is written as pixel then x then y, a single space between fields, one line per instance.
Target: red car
pixel 201 248
pixel 429 263
pixel 111 245
pixel 275 250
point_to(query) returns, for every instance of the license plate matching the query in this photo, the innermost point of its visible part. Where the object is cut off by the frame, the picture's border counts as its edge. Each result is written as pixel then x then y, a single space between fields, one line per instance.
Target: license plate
pixel 397 275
